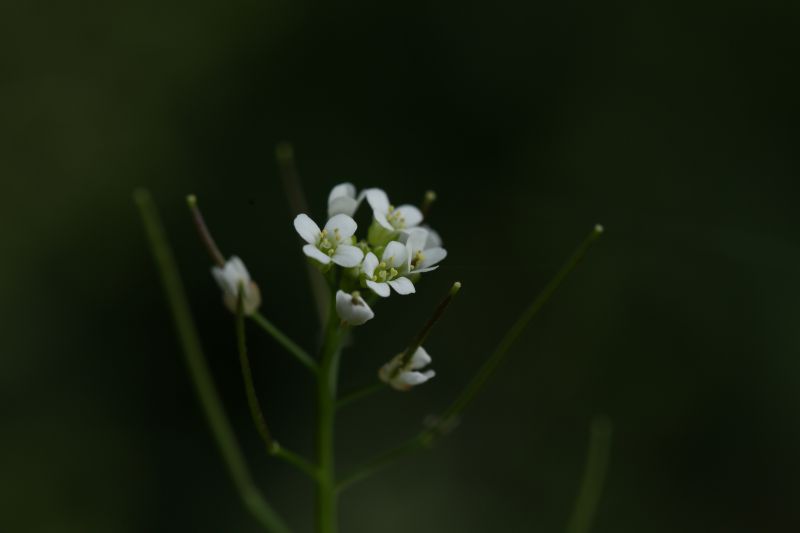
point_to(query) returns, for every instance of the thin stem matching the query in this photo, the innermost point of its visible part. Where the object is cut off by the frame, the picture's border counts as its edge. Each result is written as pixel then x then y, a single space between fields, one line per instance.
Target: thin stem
pixel 292 185
pixel 299 353
pixel 360 394
pixel 296 460
pixel 252 398
pixel 446 421
pixel 593 476
pixel 272 446
pixel 384 459
pixel 205 234
pixel 417 341
pixel 198 370
pixel 326 515
pixel 490 365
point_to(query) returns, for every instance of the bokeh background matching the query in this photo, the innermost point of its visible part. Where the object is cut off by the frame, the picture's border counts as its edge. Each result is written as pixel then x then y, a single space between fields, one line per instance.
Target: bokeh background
pixel 672 123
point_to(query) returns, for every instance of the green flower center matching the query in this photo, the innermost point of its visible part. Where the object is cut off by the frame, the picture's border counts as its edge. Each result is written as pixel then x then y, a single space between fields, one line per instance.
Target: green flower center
pixel 384 273
pixel 417 260
pixel 396 218
pixel 327 244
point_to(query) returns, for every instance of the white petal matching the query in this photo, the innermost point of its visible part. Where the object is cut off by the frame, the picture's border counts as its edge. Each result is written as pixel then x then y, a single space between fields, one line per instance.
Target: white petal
pixel 434 240
pixel 347 256
pixel 432 257
pixel 380 218
pixel 377 200
pixel 395 254
pixel 370 264
pixel 403 286
pixel 237 267
pixel 415 240
pixel 345 224
pixel 381 289
pixel 352 309
pixel 343 190
pixel 420 359
pixel 405 380
pixel 222 280
pixel 343 206
pixel 422 270
pixel 315 253
pixel 307 228
pixel 411 215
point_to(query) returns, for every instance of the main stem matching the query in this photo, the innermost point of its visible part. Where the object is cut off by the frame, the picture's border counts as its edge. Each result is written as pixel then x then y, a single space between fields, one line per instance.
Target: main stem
pixel 326 515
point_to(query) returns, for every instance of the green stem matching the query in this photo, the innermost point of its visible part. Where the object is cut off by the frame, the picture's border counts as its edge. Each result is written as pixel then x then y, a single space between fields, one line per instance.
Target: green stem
pixel 446 421
pixel 273 448
pixel 593 476
pixel 384 459
pixel 326 511
pixel 252 398
pixel 290 346
pixel 295 460
pixel 490 365
pixel 420 337
pixel 359 394
pixel 198 369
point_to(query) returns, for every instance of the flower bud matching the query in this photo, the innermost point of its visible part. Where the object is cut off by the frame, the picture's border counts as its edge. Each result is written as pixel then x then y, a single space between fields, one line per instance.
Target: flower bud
pixel 229 278
pixel 352 309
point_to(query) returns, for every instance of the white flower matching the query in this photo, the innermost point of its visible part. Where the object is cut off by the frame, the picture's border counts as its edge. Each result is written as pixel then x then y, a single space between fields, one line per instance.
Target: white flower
pixel 380 275
pixel 390 217
pixel 229 278
pixel 343 201
pixel 403 377
pixel 423 254
pixel 352 308
pixel 334 243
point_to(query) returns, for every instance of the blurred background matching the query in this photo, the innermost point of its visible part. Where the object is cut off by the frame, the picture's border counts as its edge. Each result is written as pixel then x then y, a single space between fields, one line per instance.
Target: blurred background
pixel 673 124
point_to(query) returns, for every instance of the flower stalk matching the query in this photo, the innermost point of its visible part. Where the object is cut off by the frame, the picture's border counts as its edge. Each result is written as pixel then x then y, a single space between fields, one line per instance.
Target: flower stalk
pixel 198 369
pixel 259 421
pixel 594 476
pixel 490 365
pixel 202 231
pixel 391 257
pixel 327 377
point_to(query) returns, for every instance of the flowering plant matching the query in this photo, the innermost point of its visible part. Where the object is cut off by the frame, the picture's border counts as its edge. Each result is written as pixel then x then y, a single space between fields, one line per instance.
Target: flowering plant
pixel 359 271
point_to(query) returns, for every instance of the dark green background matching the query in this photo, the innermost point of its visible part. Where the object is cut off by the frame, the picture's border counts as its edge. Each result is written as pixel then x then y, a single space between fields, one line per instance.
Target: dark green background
pixel 674 124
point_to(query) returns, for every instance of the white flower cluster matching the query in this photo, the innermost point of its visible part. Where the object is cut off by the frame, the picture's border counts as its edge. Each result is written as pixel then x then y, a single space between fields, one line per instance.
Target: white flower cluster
pixel 396 250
